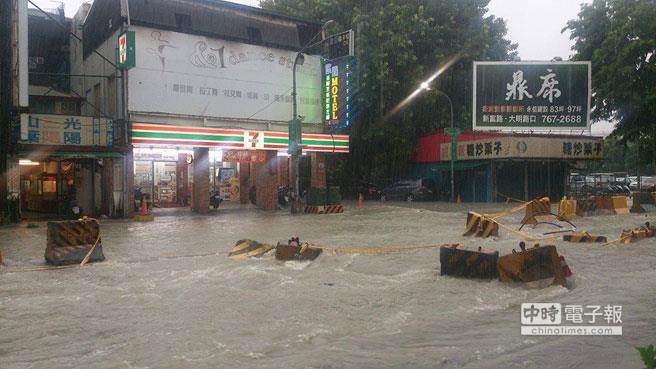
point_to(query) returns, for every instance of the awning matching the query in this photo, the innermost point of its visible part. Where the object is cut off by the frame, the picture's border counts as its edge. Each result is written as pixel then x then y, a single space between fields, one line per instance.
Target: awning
pixel 145 134
pixel 40 155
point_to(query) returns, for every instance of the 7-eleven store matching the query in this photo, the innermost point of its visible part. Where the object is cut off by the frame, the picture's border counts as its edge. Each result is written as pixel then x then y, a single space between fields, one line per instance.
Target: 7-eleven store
pixel 180 166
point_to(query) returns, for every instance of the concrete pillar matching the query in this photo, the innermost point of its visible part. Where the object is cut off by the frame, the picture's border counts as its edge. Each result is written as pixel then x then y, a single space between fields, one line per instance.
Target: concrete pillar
pixel 317 169
pixel 526 181
pixel 201 195
pixel 107 203
pixel 182 179
pixel 128 164
pixel 244 182
pixel 266 183
pixel 283 171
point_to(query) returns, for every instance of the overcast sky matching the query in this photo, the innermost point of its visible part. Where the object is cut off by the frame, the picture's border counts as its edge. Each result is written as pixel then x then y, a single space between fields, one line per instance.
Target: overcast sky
pixel 534 24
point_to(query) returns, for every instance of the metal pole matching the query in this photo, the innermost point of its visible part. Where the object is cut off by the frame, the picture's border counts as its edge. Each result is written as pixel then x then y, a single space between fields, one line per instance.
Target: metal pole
pixel 295 141
pixel 295 145
pixel 453 195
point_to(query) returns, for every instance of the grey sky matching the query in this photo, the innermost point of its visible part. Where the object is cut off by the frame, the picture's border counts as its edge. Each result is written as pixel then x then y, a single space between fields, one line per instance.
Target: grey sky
pixel 534 24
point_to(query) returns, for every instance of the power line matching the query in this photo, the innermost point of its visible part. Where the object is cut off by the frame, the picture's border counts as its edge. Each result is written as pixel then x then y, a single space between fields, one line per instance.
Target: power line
pixel 71 33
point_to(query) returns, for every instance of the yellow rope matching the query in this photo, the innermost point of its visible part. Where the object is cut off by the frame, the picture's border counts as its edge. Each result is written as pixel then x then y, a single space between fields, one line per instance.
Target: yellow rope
pixel 502 214
pixel 375 250
pixel 510 198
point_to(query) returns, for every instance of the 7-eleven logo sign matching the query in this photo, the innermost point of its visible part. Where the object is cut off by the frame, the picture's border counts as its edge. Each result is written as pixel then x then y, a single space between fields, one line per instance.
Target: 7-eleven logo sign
pixel 126 50
pixel 123 48
pixel 254 140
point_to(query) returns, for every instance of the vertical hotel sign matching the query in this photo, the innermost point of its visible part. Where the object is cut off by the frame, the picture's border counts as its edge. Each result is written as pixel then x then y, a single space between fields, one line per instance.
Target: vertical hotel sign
pixel 337 93
pixel 126 54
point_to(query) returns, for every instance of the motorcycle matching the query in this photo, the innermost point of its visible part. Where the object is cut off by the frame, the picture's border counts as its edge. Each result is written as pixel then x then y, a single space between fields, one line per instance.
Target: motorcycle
pixel 215 199
pixel 284 196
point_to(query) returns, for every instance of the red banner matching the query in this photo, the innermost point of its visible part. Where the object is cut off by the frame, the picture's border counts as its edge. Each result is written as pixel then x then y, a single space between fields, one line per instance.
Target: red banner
pixel 244 156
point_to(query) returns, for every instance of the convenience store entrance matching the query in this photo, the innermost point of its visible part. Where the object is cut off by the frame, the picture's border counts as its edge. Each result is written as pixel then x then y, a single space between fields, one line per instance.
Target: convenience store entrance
pixel 157 180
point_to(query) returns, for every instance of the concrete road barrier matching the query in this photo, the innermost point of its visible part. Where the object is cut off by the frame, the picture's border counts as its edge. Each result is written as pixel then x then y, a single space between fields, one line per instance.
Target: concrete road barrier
pixel 567 209
pixel 480 226
pixel 70 241
pixel 583 238
pixel 537 267
pixel 535 209
pixel 460 262
pixel 245 249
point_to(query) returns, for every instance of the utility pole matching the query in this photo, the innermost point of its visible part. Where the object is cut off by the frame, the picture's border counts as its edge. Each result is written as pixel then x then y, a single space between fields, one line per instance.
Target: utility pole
pixel 295 128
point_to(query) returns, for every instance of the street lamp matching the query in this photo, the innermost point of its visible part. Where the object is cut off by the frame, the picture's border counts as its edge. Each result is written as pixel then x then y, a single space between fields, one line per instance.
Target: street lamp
pixel 426 86
pixel 295 134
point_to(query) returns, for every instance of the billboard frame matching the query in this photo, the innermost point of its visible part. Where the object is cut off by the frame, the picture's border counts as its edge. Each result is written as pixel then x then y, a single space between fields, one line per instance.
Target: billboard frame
pixel 588 126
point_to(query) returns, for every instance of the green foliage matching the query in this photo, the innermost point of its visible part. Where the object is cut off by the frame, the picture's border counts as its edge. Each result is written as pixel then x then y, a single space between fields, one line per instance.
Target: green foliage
pixel 648 356
pixel 623 156
pixel 619 37
pixel 399 43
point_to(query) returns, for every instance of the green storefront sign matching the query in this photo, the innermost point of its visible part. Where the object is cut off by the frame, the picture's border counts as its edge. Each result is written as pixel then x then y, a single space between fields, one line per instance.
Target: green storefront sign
pixel 542 96
pixel 126 52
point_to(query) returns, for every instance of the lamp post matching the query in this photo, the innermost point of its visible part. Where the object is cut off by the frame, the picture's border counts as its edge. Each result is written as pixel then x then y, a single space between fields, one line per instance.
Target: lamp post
pixel 295 127
pixel 453 132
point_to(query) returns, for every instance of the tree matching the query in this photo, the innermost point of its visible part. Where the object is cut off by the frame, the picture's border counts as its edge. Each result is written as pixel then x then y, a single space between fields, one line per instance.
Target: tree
pixel 619 37
pixel 399 43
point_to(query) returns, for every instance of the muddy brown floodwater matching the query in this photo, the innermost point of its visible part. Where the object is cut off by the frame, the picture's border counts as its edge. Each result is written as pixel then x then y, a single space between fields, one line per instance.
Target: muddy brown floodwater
pixel 153 304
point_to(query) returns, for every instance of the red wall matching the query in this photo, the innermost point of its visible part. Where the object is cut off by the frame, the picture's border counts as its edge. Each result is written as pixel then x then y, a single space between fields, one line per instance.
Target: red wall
pixel 428 147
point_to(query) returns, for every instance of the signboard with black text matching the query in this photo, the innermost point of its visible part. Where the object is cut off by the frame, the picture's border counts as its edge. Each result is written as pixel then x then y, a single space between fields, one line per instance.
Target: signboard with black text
pixel 535 96
pixel 550 147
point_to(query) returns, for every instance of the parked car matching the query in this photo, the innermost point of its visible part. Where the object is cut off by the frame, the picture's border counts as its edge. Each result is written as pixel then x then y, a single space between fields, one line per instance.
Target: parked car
pixel 369 191
pixel 648 183
pixel 410 190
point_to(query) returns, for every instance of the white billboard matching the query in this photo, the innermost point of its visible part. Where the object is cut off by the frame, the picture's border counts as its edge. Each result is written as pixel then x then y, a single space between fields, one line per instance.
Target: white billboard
pixel 184 74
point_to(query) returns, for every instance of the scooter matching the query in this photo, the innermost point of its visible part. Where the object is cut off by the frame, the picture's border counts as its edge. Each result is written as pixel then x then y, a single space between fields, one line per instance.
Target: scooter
pixel 284 196
pixel 215 199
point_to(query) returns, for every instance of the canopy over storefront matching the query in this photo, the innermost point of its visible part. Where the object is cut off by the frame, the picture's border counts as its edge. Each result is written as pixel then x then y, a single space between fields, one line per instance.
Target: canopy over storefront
pixel 486 146
pixel 167 135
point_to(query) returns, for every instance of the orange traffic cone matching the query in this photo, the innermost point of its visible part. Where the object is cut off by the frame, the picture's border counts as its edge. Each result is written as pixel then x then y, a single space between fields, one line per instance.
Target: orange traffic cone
pixel 144 205
pixel 143 215
pixel 360 201
pixel 458 201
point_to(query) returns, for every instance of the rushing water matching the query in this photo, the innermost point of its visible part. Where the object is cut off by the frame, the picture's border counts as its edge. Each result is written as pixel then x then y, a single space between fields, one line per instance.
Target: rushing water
pixel 153 304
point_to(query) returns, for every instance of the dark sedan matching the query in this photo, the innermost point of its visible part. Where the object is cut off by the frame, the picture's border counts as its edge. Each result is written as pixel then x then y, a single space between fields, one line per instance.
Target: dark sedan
pixel 410 190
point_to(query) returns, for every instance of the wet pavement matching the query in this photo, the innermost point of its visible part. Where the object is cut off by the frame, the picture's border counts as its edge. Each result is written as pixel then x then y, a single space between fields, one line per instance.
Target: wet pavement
pixel 168 297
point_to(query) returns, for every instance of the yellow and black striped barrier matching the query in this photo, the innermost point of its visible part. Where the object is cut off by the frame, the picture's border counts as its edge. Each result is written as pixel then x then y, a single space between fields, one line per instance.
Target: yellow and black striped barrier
pixel 567 209
pixel 73 242
pixel 480 226
pixel 325 209
pixel 537 207
pixel 245 249
pixel 583 238
pixel 333 209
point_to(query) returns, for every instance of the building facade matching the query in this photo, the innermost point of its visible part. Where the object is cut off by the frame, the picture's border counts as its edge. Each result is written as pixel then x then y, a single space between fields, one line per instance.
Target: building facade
pixel 491 166
pixel 206 96
pixel 70 160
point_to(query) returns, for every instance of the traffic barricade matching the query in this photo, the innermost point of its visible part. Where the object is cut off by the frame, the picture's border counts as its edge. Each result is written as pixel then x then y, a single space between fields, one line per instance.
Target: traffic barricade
pixel 459 262
pixel 479 225
pixel 536 267
pixel 70 241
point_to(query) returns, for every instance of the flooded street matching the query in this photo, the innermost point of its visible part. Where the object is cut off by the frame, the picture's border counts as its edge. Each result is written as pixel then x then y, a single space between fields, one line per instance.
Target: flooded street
pixel 168 297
